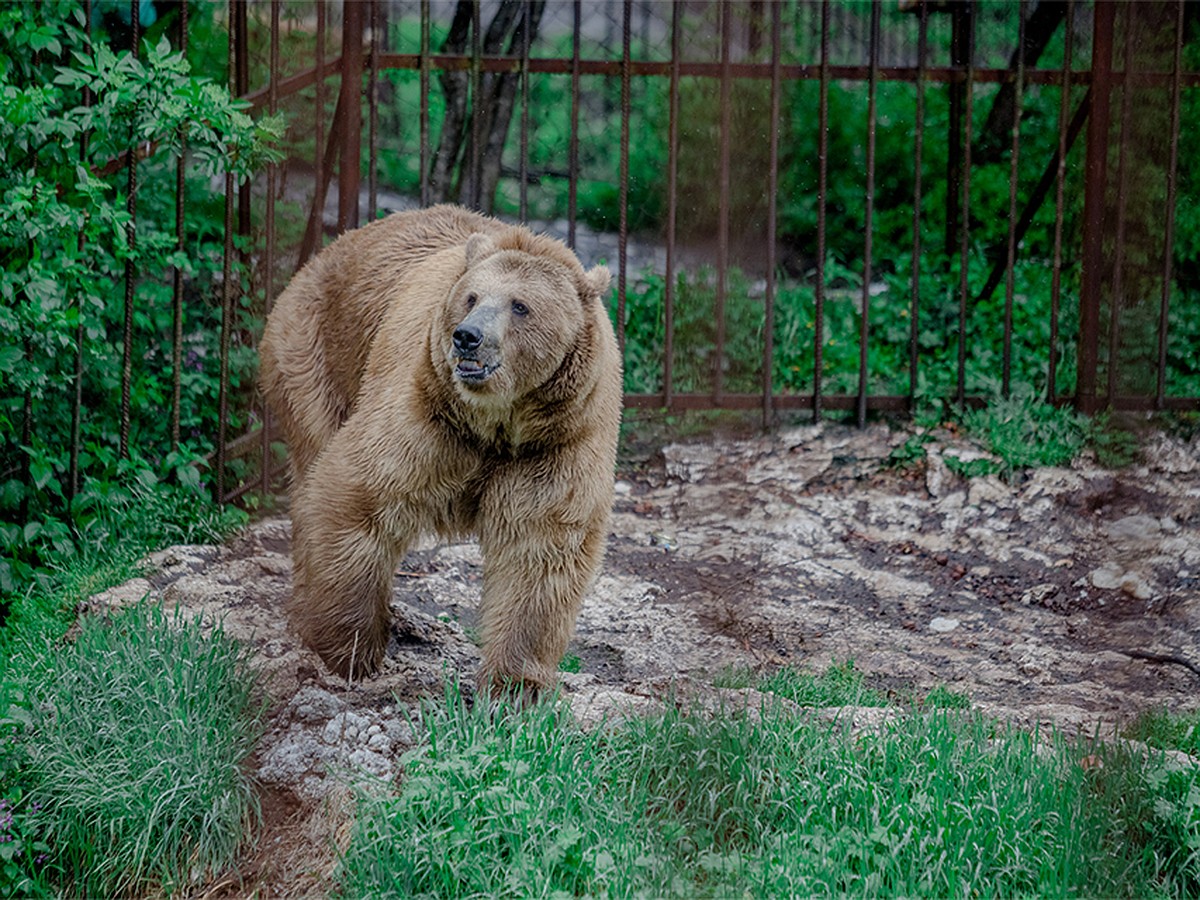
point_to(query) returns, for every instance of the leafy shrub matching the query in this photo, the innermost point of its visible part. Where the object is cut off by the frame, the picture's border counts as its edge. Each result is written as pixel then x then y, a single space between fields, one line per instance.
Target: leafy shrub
pixel 70 107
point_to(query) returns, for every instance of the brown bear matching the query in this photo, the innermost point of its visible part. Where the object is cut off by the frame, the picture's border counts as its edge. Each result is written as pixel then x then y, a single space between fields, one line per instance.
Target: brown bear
pixel 440 371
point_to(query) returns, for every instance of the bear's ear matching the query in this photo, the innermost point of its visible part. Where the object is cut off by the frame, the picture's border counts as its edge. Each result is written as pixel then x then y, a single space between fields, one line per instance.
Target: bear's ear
pixel 596 282
pixel 478 246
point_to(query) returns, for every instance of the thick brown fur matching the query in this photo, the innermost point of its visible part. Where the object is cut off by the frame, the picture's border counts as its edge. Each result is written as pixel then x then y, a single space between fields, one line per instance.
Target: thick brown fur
pixel 439 371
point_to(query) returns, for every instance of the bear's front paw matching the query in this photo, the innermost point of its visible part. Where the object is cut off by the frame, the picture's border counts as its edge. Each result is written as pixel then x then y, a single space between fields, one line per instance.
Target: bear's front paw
pixel 353 657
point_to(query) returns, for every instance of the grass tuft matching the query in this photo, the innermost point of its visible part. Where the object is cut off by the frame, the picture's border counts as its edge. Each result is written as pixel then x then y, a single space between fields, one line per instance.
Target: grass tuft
pixel 839 685
pixel 1026 432
pixel 136 737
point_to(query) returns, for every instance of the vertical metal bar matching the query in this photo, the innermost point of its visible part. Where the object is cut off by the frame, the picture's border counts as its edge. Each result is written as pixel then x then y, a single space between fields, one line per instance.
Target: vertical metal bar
pixel 523 165
pixel 373 112
pixel 1117 300
pixel 77 400
pixel 623 234
pixel 573 146
pixel 1013 171
pixel 822 200
pixel 1169 237
pixel 351 102
pixel 319 161
pixel 962 29
pixel 426 194
pixel 241 88
pixel 1095 184
pixel 269 227
pixel 672 209
pixel 918 156
pixel 723 191
pixel 772 203
pixel 177 270
pixel 965 217
pixel 131 244
pixel 1059 189
pixel 226 289
pixel 475 193
pixel 864 334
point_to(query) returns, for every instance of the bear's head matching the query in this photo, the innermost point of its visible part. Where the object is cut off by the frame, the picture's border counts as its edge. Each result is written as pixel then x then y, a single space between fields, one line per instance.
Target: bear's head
pixel 516 314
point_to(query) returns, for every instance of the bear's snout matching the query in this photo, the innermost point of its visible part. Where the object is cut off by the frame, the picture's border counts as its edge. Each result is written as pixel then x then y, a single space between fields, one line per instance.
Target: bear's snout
pixel 467 338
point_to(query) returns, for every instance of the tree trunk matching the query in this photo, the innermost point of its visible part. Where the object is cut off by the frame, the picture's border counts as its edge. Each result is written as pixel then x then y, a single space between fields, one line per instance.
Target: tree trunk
pixel 468 162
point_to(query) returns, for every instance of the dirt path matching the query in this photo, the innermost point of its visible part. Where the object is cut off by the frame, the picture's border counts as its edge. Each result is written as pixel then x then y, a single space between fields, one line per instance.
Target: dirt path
pixel 799 548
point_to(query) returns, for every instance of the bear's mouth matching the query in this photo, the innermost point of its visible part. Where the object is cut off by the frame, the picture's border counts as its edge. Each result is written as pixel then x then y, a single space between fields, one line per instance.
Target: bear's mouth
pixel 472 371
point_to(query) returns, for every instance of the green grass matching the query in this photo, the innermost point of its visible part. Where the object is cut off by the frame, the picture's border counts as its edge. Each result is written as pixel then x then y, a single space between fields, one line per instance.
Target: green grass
pixel 132 746
pixel 1166 731
pixel 839 685
pixel 1026 432
pixel 120 747
pixel 687 804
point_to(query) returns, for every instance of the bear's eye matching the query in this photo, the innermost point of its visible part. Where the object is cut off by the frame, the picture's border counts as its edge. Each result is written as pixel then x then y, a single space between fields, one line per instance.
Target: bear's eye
pixel 471 301
pixel 519 308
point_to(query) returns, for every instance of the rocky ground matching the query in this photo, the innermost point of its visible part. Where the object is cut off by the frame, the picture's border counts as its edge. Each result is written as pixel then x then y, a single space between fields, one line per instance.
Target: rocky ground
pixel 1069 597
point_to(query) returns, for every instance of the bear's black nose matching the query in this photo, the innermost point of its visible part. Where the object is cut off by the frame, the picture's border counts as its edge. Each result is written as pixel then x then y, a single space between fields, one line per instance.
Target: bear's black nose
pixel 467 338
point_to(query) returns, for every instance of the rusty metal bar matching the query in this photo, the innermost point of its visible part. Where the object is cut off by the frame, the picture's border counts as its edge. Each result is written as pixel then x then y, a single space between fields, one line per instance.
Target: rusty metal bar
pixel 474 198
pixel 320 160
pixel 1059 189
pixel 623 233
pixel 672 211
pixel 1095 184
pixel 227 276
pixel 293 84
pixel 768 373
pixel 241 87
pixel 453 62
pixel 350 99
pixel 77 400
pixel 685 402
pixel 573 145
pixel 1117 299
pixel 269 237
pixel 897 403
pixel 962 29
pixel 1013 172
pixel 822 202
pixel 965 211
pixel 176 269
pixel 373 113
pixel 523 165
pixel 918 157
pixel 1169 238
pixel 864 334
pixel 723 191
pixel 131 245
pixel 426 193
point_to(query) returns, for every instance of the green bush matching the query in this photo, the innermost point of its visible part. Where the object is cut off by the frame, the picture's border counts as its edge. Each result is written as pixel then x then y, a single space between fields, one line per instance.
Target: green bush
pixel 70 107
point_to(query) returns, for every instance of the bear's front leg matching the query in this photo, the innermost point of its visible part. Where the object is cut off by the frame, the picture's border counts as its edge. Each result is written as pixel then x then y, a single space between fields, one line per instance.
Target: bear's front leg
pixel 538 562
pixel 343 562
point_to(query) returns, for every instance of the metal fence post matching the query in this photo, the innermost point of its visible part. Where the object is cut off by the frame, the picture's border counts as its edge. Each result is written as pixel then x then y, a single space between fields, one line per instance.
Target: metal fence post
pixel 351 103
pixel 1095 185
